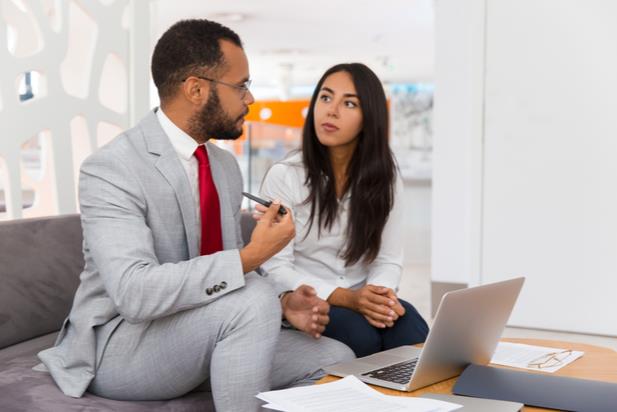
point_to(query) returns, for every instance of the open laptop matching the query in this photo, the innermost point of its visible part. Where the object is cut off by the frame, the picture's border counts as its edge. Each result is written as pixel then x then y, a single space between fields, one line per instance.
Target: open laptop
pixel 467 327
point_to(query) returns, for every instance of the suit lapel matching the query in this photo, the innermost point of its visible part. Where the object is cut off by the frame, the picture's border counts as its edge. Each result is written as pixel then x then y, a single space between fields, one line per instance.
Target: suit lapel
pixel 168 164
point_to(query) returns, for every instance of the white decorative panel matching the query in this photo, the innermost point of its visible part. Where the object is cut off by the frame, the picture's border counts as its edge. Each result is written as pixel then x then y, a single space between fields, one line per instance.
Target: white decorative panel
pixel 69 61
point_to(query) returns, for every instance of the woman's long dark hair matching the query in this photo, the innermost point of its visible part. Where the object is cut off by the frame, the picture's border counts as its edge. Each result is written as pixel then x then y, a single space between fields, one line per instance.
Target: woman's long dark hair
pixel 371 174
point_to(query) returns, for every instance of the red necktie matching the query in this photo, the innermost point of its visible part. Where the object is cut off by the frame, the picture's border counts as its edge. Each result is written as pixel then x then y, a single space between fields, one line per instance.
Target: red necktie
pixel 211 238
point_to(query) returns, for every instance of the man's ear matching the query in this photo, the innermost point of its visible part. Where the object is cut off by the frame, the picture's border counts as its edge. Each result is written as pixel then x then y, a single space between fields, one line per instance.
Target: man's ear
pixel 195 90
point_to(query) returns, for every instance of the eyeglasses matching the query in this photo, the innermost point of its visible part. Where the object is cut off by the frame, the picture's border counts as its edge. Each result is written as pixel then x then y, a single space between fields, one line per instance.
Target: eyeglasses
pixel 550 359
pixel 242 88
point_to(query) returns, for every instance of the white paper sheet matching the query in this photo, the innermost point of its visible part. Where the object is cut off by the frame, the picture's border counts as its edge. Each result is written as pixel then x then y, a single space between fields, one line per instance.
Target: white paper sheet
pixel 519 355
pixel 273 407
pixel 348 395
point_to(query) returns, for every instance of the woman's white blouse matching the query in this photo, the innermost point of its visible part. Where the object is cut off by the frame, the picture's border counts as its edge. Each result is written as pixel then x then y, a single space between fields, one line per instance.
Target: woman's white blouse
pixel 314 260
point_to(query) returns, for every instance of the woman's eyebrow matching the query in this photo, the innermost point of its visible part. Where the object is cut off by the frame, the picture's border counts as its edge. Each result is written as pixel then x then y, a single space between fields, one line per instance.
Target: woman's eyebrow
pixel 329 90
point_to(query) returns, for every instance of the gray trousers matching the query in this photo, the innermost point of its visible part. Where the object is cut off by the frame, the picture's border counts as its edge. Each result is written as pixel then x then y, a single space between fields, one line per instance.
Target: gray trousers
pixel 235 342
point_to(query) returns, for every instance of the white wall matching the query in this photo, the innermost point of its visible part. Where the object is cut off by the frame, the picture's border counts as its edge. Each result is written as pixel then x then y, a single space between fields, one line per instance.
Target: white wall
pixel 550 204
pixel 458 117
pixel 417 229
pixel 86 54
pixel 546 152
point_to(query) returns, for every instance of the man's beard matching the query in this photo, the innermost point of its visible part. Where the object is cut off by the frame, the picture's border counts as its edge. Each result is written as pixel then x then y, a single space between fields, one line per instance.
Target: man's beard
pixel 212 122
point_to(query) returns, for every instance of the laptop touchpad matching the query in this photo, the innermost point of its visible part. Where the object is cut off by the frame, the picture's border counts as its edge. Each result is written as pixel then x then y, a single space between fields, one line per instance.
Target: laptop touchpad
pixel 383 359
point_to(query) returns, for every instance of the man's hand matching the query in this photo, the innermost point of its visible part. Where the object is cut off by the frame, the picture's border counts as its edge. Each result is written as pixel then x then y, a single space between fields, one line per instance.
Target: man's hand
pixel 305 311
pixel 260 210
pixel 271 234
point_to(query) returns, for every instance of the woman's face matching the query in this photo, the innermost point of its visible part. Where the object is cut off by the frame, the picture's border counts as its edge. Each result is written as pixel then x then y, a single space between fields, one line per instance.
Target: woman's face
pixel 337 113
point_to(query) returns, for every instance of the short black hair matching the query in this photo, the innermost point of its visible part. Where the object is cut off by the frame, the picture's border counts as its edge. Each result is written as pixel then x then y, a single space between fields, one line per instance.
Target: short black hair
pixel 185 46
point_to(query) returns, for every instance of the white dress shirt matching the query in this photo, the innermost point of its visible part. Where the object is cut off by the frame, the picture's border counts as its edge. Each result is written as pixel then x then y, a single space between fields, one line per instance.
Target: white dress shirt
pixel 316 261
pixel 185 146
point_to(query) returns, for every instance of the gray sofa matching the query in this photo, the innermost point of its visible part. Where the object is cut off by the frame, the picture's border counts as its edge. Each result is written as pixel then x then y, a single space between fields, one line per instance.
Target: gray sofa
pixel 40 263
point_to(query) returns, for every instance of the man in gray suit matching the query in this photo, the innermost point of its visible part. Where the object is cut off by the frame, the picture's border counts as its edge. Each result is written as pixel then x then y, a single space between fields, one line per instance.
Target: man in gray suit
pixel 168 298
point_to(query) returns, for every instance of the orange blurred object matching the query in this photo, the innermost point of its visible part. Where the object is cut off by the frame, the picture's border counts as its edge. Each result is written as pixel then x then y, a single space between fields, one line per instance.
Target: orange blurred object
pixel 288 113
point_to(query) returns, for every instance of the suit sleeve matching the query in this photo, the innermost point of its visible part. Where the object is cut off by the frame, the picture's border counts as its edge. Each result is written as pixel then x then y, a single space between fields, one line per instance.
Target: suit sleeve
pixel 120 243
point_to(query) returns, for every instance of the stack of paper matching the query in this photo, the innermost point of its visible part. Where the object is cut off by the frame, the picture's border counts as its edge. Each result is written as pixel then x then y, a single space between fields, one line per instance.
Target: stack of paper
pixel 518 355
pixel 348 395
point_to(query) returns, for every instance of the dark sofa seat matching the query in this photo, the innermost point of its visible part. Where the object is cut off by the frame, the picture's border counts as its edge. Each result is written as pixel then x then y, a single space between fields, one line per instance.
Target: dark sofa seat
pixel 23 389
pixel 40 263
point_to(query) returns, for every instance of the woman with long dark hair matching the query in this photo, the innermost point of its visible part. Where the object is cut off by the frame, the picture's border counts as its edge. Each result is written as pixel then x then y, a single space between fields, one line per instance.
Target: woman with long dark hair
pixel 345 193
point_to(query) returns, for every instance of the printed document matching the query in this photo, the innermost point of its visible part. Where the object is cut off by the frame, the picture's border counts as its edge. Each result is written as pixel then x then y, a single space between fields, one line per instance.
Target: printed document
pixel 348 395
pixel 518 355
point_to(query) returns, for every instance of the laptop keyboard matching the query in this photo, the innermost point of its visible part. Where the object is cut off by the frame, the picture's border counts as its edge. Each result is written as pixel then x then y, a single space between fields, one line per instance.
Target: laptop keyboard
pixel 397 373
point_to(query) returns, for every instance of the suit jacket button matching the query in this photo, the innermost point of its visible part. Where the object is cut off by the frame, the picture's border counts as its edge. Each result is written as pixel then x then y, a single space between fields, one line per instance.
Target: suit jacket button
pixel 223 285
pixel 209 291
pixel 216 288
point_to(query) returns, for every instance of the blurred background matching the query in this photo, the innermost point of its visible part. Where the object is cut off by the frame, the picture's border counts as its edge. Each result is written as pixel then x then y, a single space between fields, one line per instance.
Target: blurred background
pixel 501 122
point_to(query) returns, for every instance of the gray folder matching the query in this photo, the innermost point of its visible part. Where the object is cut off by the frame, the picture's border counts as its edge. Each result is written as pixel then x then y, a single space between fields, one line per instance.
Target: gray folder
pixel 543 390
pixel 476 404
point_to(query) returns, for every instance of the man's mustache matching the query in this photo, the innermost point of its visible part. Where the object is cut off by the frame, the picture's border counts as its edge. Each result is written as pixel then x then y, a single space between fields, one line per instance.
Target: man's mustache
pixel 243 115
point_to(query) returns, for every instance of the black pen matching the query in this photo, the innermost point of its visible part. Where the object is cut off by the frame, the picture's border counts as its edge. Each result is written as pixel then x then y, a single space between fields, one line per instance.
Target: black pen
pixel 266 203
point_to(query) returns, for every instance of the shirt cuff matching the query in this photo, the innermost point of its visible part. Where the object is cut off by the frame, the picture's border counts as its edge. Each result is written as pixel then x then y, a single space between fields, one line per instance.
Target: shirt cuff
pixel 284 322
pixel 324 290
pixel 387 280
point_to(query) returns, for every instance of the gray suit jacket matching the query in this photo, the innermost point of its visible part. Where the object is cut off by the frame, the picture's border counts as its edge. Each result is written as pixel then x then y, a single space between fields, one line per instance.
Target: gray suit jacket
pixel 141 246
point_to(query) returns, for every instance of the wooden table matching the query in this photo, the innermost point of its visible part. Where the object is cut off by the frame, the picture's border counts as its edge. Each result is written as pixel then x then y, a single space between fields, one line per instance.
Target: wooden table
pixel 597 363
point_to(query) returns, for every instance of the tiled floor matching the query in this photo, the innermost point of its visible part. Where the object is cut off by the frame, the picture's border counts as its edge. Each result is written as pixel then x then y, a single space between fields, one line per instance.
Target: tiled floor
pixel 415 288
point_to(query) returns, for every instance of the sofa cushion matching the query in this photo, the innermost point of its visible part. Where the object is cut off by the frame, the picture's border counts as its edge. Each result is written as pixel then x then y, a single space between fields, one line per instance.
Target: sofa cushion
pixel 247 224
pixel 40 263
pixel 23 389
